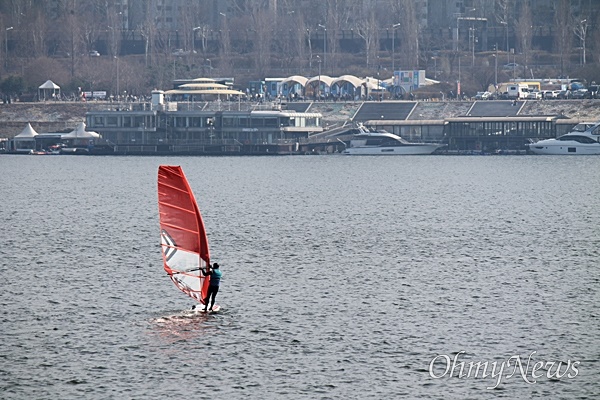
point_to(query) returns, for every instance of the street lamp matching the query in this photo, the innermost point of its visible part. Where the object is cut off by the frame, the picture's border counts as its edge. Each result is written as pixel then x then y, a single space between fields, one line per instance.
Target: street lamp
pixel 324 45
pixel 581 31
pixel 310 54
pixel 495 55
pixel 507 49
pixel 458 82
pixel 472 38
pixel 225 36
pixel 319 82
pixel 6 46
pixel 117 60
pixel 209 66
pixel 394 46
pixel 194 37
pixel 379 92
pixel 113 44
pixel 459 16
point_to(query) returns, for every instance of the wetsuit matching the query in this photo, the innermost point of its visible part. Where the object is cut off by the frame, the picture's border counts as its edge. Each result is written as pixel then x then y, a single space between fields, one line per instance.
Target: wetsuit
pixel 213 288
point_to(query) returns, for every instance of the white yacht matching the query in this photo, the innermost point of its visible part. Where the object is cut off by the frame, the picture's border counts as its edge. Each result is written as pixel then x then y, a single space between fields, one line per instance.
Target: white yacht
pixel 380 142
pixel 583 139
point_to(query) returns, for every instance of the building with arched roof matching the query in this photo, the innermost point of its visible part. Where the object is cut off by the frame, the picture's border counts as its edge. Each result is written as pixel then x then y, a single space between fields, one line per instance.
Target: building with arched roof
pixel 347 86
pixel 202 90
pixel 320 84
pixel 293 85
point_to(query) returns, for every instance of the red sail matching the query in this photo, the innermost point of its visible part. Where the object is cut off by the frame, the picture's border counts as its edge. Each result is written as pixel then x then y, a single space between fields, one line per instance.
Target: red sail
pixel 183 238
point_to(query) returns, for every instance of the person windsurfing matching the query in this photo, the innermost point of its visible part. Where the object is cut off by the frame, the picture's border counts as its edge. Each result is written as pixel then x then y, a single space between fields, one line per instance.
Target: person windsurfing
pixel 213 287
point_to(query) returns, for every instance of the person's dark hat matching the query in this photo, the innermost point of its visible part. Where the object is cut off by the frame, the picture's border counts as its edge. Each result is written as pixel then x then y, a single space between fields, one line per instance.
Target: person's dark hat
pixel 215 266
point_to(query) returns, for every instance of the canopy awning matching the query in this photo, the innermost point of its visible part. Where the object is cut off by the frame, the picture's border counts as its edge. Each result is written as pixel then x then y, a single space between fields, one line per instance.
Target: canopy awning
pixel 49 90
pixel 28 133
pixel 295 79
pixel 351 79
pixel 49 85
pixel 80 133
pixel 327 80
pixel 205 91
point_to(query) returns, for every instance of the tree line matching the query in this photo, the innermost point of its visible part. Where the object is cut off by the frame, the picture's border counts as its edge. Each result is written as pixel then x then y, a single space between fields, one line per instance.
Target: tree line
pixel 253 39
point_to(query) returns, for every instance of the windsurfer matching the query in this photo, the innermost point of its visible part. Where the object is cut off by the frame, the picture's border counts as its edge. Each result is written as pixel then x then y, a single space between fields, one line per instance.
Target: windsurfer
pixel 213 288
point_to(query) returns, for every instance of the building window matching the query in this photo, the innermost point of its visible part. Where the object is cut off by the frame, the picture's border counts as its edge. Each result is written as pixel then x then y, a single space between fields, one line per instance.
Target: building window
pixel 271 122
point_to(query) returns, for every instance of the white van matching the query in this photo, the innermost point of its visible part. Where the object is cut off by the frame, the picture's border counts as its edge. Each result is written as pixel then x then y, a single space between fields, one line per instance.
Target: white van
pixel 512 90
pixel 517 91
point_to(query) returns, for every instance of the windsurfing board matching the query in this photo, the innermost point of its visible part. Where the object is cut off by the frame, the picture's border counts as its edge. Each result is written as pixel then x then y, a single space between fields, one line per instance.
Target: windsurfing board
pixel 216 308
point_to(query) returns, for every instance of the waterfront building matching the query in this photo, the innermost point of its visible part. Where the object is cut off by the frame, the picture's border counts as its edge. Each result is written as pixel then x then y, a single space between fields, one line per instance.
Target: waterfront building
pixel 194 128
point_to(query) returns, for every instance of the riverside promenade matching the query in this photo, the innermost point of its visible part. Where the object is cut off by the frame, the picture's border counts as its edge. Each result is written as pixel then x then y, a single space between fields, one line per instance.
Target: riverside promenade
pixel 64 116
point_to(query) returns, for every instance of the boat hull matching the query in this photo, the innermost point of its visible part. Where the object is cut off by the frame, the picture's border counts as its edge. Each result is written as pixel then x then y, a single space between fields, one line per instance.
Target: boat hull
pixel 423 149
pixel 555 147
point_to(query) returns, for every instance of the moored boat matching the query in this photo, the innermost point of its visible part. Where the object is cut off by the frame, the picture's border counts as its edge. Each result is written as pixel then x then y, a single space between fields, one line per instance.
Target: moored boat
pixel 583 139
pixel 381 142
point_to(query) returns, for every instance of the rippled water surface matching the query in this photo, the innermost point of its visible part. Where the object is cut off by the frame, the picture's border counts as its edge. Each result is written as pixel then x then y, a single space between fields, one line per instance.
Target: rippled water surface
pixel 343 277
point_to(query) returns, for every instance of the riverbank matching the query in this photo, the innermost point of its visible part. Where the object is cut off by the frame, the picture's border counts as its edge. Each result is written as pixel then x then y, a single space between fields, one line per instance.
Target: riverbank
pixel 64 116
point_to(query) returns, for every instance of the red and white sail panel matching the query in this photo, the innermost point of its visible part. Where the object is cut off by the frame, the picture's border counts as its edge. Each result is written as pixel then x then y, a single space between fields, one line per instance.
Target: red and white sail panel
pixel 182 235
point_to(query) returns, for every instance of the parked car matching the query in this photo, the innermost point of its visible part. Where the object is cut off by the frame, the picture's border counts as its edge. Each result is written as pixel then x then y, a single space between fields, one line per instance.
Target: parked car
pixel 60 54
pixel 579 94
pixel 482 95
pixel 550 94
pixel 534 95
pixel 593 92
pixel 94 53
pixel 565 94
pixel 511 66
pixel 181 52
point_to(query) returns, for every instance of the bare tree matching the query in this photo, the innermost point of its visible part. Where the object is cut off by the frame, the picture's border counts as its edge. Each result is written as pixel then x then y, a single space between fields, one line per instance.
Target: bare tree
pixel 148 31
pixel 131 80
pixel 367 30
pixel 503 17
pixel 115 22
pixel 410 29
pixel 284 41
pixel 261 19
pixel 563 31
pixel 38 32
pixel 524 31
pixel 580 27
pixel 225 40
pixel 595 39
pixel 339 15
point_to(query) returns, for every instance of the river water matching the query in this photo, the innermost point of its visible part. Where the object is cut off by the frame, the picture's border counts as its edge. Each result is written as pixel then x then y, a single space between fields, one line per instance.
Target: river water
pixel 343 278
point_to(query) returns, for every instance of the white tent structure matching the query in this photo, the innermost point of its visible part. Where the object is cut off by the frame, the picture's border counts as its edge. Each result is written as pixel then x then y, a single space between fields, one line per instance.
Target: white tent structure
pixel 27 134
pixel 48 91
pixel 80 133
pixel 25 141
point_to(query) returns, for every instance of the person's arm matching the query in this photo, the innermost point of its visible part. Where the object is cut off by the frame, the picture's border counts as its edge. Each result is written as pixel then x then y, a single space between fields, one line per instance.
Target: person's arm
pixel 205 271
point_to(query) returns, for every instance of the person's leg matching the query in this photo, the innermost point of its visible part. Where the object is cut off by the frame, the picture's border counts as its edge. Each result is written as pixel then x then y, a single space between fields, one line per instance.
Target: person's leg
pixel 207 298
pixel 215 290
